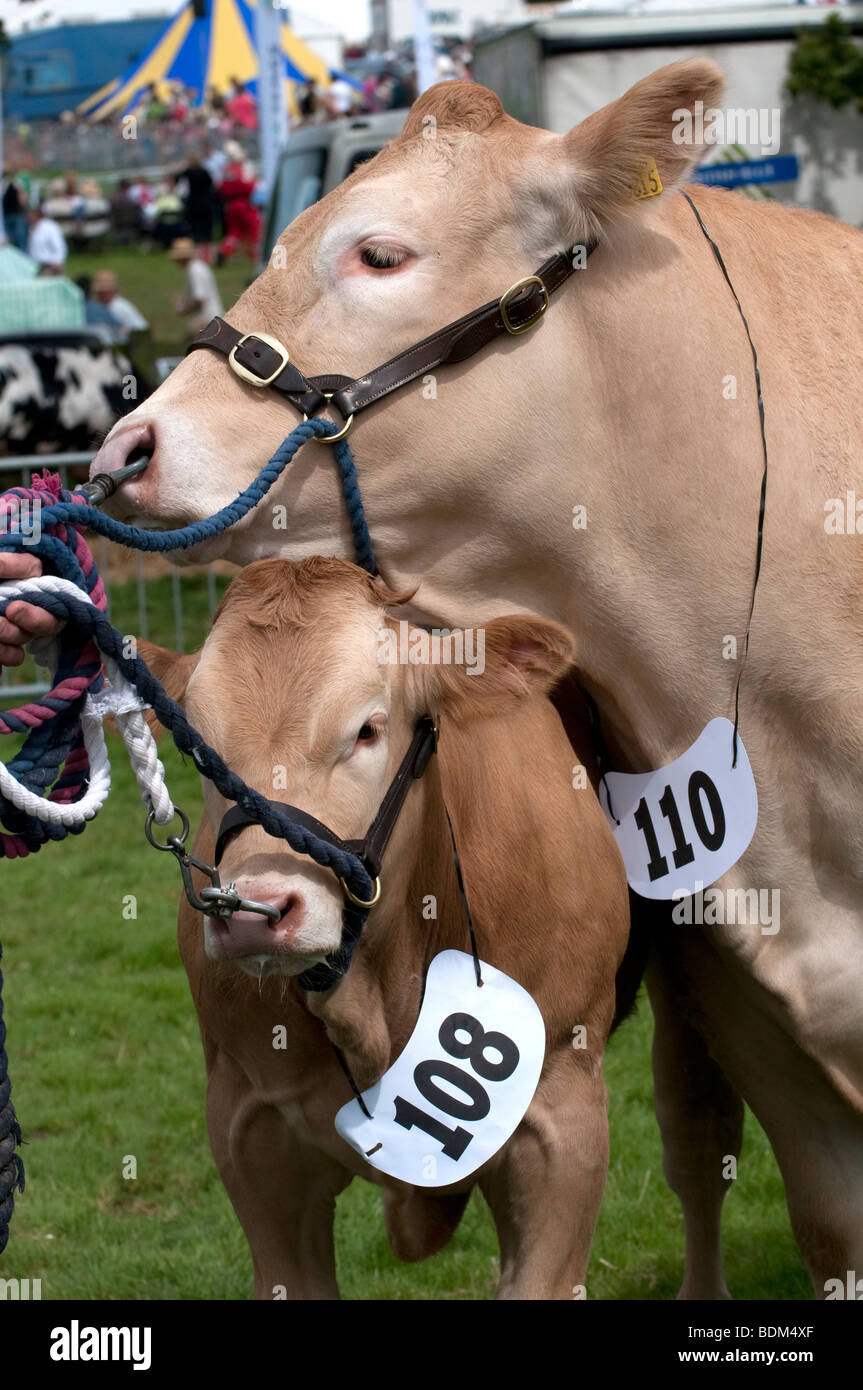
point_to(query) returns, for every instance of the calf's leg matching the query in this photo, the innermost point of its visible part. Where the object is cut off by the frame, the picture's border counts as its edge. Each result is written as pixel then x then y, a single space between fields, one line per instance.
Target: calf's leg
pixel 420 1223
pixel 282 1188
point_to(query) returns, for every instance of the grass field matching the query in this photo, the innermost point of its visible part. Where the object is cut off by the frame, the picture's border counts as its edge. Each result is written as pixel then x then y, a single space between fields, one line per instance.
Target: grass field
pixel 106 1062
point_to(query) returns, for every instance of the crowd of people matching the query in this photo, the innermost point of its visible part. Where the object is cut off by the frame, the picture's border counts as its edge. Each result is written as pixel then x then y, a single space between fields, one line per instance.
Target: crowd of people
pixel 214 198
pixel 168 119
pixel 204 207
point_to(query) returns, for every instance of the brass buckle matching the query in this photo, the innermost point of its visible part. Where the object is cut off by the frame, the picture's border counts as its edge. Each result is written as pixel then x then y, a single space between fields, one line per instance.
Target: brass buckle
pixel 507 298
pixel 358 902
pixel 243 372
pixel 332 439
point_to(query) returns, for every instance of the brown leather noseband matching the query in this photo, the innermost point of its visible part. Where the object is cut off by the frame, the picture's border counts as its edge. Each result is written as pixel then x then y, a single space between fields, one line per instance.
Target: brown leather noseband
pixel 261 360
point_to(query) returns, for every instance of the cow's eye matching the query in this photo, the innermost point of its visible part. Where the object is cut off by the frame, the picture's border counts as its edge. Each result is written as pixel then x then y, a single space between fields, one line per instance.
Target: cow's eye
pixel 372 730
pixel 382 257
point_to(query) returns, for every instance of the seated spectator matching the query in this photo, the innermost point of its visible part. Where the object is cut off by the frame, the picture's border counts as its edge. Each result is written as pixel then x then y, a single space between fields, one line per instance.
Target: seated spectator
pixel 46 244
pixel 94 311
pixel 167 214
pixel 125 215
pixel 104 291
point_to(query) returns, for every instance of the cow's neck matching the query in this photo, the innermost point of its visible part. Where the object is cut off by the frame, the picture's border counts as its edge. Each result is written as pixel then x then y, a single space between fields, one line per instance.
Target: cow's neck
pixel 615 404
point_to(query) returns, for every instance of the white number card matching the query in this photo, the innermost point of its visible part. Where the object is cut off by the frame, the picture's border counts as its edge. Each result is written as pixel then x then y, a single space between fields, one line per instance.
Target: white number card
pixel 461 1086
pixel 683 826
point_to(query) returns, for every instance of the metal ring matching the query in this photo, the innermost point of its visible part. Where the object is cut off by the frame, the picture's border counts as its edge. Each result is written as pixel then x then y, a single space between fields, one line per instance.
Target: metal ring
pixel 157 844
pixel 330 438
pixel 358 902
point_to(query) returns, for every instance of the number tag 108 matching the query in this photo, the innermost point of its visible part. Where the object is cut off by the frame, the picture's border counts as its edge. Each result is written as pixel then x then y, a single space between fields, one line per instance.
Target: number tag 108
pixel 462 1084
pixel 682 827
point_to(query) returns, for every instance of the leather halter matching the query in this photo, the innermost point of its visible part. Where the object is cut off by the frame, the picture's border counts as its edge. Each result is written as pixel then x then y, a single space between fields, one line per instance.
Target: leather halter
pixel 371 848
pixel 262 361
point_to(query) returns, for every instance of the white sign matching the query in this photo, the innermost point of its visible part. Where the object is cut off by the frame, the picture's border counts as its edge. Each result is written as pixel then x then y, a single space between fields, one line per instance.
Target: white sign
pixel 682 827
pixel 272 113
pixel 423 48
pixel 461 1086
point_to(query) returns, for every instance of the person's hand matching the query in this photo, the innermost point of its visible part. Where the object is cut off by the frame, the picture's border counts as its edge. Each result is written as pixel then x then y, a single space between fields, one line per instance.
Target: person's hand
pixel 22 621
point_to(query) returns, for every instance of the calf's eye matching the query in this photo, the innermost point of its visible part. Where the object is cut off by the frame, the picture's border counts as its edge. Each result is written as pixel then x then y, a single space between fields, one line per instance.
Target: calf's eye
pixel 368 733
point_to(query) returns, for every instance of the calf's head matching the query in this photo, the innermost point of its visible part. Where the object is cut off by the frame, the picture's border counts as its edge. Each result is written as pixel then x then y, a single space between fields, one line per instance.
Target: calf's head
pixel 310 692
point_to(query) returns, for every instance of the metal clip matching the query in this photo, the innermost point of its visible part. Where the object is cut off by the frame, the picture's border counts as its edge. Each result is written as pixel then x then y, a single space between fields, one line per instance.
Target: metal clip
pixel 214 901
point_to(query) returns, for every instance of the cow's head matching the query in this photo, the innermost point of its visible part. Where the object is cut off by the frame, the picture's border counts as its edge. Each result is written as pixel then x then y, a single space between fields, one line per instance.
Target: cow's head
pixel 464 203
pixel 310 692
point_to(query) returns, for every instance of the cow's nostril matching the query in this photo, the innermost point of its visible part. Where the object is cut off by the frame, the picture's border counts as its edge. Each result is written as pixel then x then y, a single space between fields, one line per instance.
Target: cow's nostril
pixel 292 908
pixel 126 446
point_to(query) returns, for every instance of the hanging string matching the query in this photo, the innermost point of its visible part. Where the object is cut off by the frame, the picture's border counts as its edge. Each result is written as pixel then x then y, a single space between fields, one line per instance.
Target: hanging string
pixel 353 1085
pixel 763 502
pixel 465 904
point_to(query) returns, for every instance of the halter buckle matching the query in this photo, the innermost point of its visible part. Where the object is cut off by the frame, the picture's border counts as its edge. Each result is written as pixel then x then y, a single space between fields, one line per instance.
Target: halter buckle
pixel 243 372
pixel 507 298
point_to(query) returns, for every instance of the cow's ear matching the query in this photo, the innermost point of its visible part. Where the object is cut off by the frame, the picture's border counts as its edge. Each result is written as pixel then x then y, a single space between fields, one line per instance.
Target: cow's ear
pixel 613 156
pixel 509 658
pixel 171 669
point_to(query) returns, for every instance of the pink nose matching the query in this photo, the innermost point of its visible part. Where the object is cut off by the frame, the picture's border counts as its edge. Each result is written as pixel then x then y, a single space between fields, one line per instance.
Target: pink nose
pixel 252 934
pixel 117 451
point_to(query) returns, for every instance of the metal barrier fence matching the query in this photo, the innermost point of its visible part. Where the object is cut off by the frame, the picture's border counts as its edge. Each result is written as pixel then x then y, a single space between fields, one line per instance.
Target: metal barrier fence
pixel 132 581
pixel 105 149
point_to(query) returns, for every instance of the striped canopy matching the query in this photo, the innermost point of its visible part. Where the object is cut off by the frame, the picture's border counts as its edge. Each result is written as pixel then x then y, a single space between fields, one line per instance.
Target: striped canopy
pixel 206 53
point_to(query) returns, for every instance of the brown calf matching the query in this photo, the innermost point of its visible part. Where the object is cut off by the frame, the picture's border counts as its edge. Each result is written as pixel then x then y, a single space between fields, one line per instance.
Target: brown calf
pixel 291 691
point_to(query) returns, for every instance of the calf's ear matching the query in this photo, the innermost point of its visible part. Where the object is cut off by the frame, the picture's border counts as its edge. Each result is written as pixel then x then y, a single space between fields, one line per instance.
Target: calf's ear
pixel 653 125
pixel 509 658
pixel 171 669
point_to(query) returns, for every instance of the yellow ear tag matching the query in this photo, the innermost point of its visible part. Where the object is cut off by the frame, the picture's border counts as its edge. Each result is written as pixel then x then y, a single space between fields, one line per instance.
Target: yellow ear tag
pixel 650 184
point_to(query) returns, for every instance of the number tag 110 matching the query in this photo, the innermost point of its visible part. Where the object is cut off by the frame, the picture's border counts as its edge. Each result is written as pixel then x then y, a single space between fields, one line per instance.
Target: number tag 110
pixel 682 827
pixel 462 1084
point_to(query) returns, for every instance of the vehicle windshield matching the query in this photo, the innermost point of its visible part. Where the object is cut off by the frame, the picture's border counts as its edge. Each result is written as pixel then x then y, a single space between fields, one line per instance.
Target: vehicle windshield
pixel 299 184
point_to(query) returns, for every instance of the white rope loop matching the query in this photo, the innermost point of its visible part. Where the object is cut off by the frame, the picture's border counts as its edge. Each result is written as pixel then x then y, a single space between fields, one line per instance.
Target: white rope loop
pixel 120 699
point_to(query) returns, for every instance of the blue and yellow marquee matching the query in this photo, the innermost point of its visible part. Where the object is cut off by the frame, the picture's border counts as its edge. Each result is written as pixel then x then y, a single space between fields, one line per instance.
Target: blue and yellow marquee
pixel 206 53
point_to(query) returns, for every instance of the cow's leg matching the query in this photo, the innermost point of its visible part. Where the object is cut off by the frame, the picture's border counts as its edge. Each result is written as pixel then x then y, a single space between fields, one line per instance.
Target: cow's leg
pixel 282 1188
pixel 815 1133
pixel 545 1187
pixel 421 1223
pixel 701 1120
